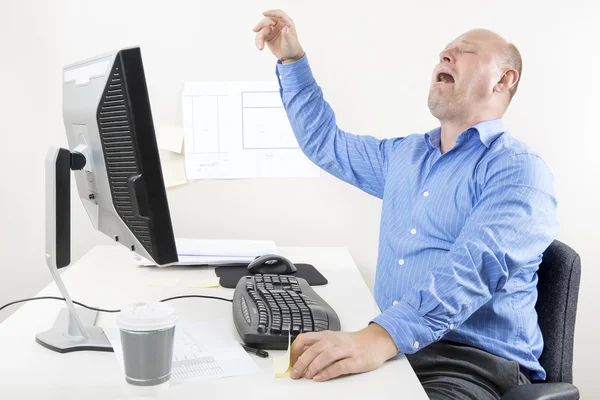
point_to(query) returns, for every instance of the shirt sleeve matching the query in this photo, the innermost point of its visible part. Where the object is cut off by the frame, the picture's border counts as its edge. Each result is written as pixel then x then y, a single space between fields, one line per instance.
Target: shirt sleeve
pixel 359 160
pixel 510 226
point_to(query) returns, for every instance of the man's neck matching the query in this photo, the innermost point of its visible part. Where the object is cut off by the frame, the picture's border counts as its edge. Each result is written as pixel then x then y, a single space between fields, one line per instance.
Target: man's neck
pixel 449 133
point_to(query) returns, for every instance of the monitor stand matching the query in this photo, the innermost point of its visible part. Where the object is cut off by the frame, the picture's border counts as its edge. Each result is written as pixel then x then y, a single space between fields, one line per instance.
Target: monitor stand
pixel 75 328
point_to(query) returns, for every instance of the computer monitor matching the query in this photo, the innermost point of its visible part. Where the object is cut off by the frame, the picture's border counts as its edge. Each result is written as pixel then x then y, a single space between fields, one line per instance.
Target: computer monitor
pixel 114 155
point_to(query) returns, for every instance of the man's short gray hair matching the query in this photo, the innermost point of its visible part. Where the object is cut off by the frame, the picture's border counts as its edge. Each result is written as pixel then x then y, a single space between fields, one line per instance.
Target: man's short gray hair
pixel 512 58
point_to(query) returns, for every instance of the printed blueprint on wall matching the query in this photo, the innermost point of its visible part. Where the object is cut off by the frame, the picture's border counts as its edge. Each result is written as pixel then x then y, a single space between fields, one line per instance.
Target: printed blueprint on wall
pixel 239 130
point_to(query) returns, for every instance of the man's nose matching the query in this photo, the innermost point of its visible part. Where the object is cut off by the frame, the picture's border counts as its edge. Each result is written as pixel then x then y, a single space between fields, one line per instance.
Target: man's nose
pixel 446 57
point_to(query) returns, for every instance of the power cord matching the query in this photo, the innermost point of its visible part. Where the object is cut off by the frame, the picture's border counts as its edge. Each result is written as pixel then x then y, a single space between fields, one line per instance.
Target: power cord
pixel 186 296
pixel 57 298
pixel 105 310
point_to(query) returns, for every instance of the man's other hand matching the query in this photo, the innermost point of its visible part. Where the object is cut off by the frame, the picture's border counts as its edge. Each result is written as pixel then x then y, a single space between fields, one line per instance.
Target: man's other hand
pixel 277 30
pixel 325 355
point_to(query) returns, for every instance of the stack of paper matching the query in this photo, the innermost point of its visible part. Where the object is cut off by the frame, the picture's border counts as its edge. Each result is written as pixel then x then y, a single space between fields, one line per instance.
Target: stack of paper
pixel 217 252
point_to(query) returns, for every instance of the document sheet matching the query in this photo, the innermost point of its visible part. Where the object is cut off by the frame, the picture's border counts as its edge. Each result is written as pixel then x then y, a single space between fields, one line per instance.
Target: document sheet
pixel 239 130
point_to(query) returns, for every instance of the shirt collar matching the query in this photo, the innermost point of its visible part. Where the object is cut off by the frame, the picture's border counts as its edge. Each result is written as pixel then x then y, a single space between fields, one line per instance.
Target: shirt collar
pixel 488 132
pixel 433 138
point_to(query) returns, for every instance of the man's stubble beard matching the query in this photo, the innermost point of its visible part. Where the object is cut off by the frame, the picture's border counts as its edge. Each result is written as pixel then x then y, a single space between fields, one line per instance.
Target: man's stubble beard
pixel 445 107
pixel 439 106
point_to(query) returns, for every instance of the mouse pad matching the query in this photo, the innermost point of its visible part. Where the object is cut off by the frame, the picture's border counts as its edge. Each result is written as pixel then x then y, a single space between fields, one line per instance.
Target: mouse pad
pixel 231 275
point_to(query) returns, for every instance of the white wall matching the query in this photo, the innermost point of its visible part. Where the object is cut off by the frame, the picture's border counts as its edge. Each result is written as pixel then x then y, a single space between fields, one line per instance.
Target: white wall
pixel 373 60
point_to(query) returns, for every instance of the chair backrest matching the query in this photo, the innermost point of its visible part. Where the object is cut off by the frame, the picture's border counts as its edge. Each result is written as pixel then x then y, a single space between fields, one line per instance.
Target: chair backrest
pixel 558 289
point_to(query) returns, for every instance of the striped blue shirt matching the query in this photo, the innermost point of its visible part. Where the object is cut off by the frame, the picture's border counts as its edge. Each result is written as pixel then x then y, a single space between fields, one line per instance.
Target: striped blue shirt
pixel 461 234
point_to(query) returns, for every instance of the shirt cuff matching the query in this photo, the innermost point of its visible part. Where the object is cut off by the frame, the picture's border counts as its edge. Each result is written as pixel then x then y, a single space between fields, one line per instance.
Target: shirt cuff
pixel 294 76
pixel 407 328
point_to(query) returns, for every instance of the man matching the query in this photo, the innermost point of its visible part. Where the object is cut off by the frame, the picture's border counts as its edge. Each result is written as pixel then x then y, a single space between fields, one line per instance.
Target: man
pixel 467 212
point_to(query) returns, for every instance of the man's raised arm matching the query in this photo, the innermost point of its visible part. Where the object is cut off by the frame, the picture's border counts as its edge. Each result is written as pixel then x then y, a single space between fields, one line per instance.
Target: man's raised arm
pixel 359 160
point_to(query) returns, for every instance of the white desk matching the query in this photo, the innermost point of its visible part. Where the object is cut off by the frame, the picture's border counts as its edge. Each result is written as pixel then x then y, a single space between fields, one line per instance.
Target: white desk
pixel 107 277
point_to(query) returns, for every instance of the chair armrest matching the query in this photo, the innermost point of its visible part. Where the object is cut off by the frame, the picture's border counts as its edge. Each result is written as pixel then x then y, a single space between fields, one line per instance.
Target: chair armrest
pixel 543 391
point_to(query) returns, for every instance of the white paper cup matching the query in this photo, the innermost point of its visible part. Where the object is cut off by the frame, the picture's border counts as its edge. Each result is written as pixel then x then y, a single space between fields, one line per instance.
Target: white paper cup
pixel 147 334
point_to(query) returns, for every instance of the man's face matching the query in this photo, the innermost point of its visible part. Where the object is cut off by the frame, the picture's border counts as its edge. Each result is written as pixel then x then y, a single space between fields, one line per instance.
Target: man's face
pixel 463 81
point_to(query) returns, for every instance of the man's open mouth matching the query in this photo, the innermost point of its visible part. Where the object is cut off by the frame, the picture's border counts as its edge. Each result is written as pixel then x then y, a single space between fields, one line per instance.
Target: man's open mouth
pixel 445 78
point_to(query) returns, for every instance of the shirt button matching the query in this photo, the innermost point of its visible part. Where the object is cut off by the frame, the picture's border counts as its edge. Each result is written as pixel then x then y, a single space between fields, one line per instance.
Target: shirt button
pixel 425 194
pixel 394 303
pixel 451 326
pixel 416 345
pixel 413 231
pixel 401 262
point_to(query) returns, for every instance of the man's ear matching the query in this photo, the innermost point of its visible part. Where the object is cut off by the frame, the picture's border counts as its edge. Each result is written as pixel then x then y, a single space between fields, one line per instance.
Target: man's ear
pixel 508 80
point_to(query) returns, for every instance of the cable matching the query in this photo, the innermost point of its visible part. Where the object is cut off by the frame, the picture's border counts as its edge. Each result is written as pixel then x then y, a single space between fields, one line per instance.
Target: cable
pixel 109 311
pixel 196 295
pixel 57 298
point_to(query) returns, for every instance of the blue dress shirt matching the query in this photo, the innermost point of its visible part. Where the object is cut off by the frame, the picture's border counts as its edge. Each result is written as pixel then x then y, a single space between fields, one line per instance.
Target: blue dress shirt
pixel 462 233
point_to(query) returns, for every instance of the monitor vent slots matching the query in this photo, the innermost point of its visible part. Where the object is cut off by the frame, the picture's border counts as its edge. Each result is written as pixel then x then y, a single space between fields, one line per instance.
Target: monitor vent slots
pixel 119 154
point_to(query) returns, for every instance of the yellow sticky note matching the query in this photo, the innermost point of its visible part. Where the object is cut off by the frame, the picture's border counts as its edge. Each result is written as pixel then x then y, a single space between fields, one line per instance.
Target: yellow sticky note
pixel 281 364
pixel 173 168
pixel 163 282
pixel 212 282
pixel 170 138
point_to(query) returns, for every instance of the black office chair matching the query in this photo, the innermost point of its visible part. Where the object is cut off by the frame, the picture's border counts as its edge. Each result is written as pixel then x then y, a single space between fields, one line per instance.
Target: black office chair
pixel 558 289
